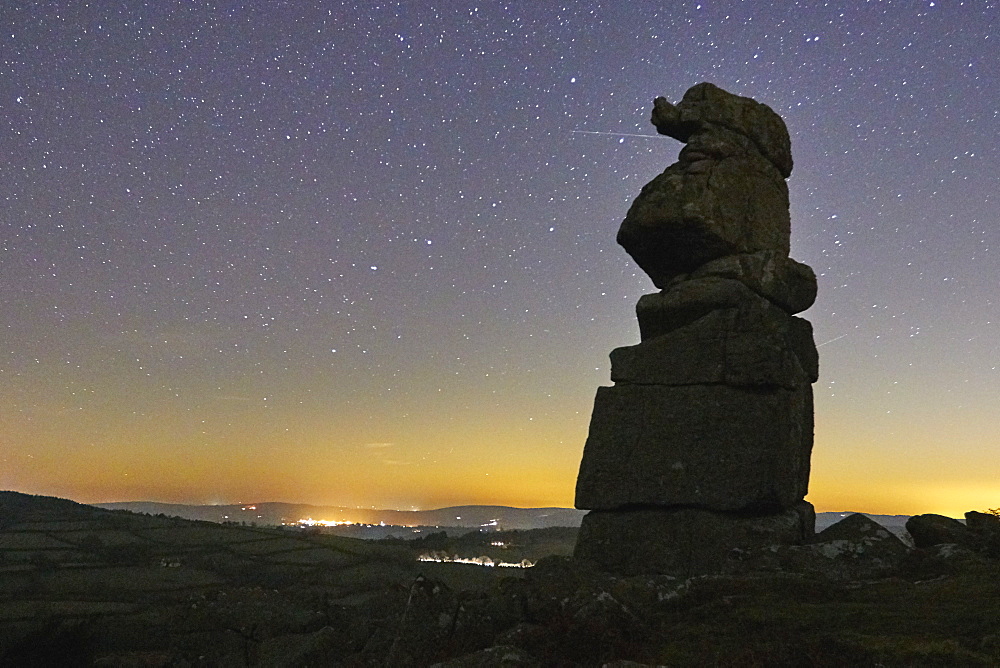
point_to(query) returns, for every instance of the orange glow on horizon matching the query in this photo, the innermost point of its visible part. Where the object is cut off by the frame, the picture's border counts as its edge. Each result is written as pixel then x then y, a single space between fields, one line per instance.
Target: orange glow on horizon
pixel 855 466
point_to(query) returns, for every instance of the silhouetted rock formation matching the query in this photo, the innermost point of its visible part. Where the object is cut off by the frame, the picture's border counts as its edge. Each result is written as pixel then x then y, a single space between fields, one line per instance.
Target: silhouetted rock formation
pixel 703 443
pixel 930 529
pixel 725 195
pixel 980 532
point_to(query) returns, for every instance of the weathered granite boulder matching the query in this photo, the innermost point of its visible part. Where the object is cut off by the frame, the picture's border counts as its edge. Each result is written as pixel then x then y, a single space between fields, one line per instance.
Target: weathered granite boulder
pixel 681 220
pixel 789 284
pixel 858 547
pixel 932 562
pixel 708 446
pixel 855 548
pixel 706 107
pixel 930 529
pixel 686 301
pixel 683 541
pixel 752 344
pixel 726 195
pixel 860 529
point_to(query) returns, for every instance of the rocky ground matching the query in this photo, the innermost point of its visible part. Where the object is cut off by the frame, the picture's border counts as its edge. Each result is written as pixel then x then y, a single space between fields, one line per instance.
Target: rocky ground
pixel 89 587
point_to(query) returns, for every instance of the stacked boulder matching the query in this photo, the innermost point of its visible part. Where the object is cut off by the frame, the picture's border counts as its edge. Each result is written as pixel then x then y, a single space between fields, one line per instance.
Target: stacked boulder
pixel 702 445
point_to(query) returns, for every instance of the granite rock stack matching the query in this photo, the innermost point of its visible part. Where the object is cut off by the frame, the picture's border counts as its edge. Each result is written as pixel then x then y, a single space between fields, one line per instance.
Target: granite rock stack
pixel 701 448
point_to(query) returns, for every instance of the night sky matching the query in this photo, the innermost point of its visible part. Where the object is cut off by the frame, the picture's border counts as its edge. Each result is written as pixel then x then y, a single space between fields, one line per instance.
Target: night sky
pixel 363 253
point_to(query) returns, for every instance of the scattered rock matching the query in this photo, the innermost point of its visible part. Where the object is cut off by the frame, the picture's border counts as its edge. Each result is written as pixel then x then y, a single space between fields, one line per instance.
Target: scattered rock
pixel 856 548
pixel 299 649
pixel 499 656
pixel 936 562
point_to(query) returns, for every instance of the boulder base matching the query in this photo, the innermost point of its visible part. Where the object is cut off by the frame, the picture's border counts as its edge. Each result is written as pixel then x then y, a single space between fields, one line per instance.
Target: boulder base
pixel 684 541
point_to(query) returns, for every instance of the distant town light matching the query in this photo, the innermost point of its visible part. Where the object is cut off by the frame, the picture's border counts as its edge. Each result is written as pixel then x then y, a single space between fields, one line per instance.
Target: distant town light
pixel 310 522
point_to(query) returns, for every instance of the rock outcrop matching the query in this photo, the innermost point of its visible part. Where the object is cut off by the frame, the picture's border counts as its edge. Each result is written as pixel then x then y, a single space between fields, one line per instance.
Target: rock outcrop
pixel 855 548
pixel 930 529
pixel 702 445
pixel 980 531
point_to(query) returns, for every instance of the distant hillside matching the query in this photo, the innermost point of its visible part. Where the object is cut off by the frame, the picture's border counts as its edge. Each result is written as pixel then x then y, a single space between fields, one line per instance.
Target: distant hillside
pixel 18 507
pixel 471 517
pixel 501 517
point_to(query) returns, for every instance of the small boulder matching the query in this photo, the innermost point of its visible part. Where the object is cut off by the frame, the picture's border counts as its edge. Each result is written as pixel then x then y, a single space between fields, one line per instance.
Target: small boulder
pixel 930 529
pixel 863 547
pixel 982 523
pixel 855 527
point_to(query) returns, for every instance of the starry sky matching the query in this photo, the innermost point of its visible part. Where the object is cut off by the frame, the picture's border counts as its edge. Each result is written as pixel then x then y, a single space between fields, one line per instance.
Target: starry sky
pixel 363 253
